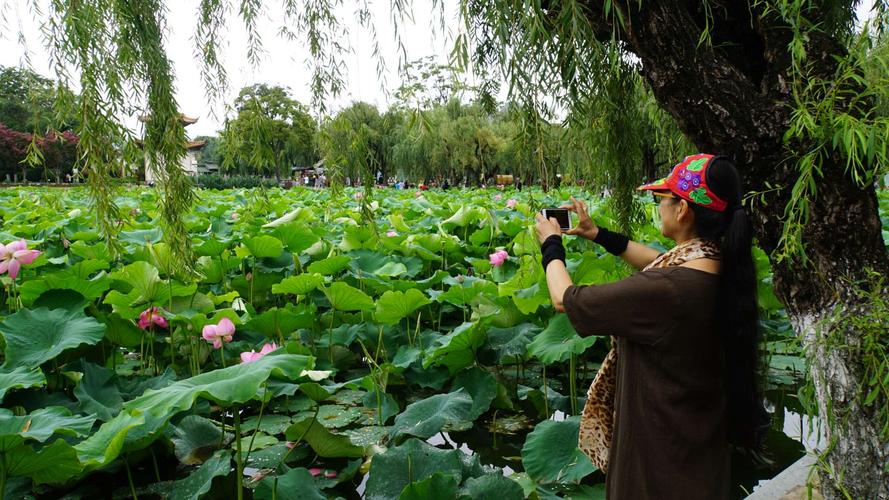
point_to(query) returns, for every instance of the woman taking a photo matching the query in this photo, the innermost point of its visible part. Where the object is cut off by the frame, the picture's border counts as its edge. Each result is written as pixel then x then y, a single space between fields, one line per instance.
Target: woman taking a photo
pixel 681 380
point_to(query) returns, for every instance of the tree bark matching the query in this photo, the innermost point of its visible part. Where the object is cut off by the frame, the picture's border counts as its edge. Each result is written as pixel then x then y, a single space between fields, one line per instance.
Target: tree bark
pixel 732 98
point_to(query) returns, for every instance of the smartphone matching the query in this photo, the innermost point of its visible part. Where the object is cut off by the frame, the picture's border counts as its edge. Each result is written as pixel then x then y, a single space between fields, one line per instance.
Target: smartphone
pixel 560 214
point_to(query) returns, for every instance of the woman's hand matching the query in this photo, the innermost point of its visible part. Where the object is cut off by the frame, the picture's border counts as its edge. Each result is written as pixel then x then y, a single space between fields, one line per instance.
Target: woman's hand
pixel 546 228
pixel 585 227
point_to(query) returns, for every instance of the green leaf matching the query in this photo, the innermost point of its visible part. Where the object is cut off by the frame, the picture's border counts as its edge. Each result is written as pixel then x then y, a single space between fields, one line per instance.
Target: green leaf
pixel 98 393
pixel 198 483
pixel 325 443
pixel 344 297
pixel 300 284
pixel 40 425
pixel 392 307
pixel 456 350
pixel 295 214
pixel 20 378
pixel 39 335
pixel 211 247
pixel 270 424
pixel 195 439
pixel 391 269
pixel 435 487
pixel 264 246
pixel 429 416
pixel 336 416
pixel 258 440
pixel 493 486
pixel 141 236
pixel 144 280
pixel 465 215
pixel 558 341
pixel 235 384
pixel 413 460
pixel 480 385
pixel 122 332
pixel 55 463
pixel 296 484
pixel 330 265
pixel 510 345
pixel 296 237
pixel 551 455
pixel 275 321
pixel 105 444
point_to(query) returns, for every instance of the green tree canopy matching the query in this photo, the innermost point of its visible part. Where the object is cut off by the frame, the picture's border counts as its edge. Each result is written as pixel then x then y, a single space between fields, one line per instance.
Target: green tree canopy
pixel 271 132
pixel 27 102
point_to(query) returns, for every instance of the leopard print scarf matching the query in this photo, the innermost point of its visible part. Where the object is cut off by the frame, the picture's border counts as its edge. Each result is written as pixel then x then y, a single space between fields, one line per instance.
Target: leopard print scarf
pixel 597 420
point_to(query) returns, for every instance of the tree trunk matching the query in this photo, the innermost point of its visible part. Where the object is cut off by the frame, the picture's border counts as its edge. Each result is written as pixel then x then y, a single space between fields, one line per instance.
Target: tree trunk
pixel 731 98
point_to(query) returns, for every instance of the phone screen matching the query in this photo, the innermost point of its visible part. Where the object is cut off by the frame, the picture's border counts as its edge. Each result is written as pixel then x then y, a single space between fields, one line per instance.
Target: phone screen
pixel 560 214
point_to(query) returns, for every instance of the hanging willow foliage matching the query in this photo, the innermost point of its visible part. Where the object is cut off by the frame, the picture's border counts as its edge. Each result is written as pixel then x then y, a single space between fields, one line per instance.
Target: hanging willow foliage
pixel 112 51
pixel 614 131
pixel 116 48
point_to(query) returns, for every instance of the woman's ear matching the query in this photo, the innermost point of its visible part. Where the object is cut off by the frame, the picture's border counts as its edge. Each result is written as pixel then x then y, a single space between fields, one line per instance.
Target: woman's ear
pixel 683 211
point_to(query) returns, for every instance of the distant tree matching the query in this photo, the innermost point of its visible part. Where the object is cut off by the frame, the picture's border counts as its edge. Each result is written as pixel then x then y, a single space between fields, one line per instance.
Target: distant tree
pixel 13 149
pixel 270 133
pixel 353 143
pixel 59 152
pixel 26 102
pixel 211 154
pixel 55 152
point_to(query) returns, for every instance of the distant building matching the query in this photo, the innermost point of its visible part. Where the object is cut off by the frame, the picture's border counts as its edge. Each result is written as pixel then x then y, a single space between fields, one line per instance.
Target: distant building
pixel 190 160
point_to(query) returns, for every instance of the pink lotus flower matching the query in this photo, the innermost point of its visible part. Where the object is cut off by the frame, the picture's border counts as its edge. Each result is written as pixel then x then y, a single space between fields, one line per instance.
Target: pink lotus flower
pixel 511 203
pixel 391 234
pixel 249 357
pixel 418 194
pixel 152 316
pixel 235 216
pixel 14 255
pixel 498 197
pixel 215 334
pixel 358 195
pixel 498 258
pixel 330 474
pixel 315 471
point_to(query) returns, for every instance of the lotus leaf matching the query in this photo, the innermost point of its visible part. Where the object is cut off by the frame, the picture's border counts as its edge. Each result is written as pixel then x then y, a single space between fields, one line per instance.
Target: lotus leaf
pixel 558 341
pixel 389 475
pixel 429 416
pixel 34 336
pixel 344 297
pixel 551 454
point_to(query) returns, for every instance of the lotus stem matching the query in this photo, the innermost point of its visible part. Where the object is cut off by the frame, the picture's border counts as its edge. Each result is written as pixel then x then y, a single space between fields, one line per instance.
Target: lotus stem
pixel 2 476
pixel 239 479
pixel 572 384
pixel 545 395
pixel 130 478
pixel 258 423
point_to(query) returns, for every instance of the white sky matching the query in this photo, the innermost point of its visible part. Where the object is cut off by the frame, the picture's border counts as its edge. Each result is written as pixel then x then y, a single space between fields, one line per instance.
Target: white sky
pixel 283 62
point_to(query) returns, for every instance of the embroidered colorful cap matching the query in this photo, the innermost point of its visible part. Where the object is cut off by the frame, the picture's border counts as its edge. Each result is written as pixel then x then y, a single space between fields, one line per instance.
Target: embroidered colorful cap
pixel 688 180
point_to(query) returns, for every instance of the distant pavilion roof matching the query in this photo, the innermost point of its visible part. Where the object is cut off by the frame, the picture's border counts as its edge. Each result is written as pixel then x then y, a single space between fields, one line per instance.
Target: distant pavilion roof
pixel 186 120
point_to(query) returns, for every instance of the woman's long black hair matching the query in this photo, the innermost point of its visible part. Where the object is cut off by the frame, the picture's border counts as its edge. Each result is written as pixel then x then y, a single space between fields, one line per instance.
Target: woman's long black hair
pixel 738 311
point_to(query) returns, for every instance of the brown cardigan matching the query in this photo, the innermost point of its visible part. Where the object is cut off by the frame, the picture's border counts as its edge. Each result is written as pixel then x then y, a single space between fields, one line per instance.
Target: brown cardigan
pixel 669 435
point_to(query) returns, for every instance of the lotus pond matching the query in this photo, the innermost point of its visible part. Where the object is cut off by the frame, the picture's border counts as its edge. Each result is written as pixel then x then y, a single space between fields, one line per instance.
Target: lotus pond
pixel 327 345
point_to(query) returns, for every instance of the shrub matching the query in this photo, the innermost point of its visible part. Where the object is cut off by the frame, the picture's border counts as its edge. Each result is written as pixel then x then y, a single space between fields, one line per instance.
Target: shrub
pixel 216 181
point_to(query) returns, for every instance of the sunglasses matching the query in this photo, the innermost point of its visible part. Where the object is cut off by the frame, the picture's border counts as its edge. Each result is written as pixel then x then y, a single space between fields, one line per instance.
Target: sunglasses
pixel 658 195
